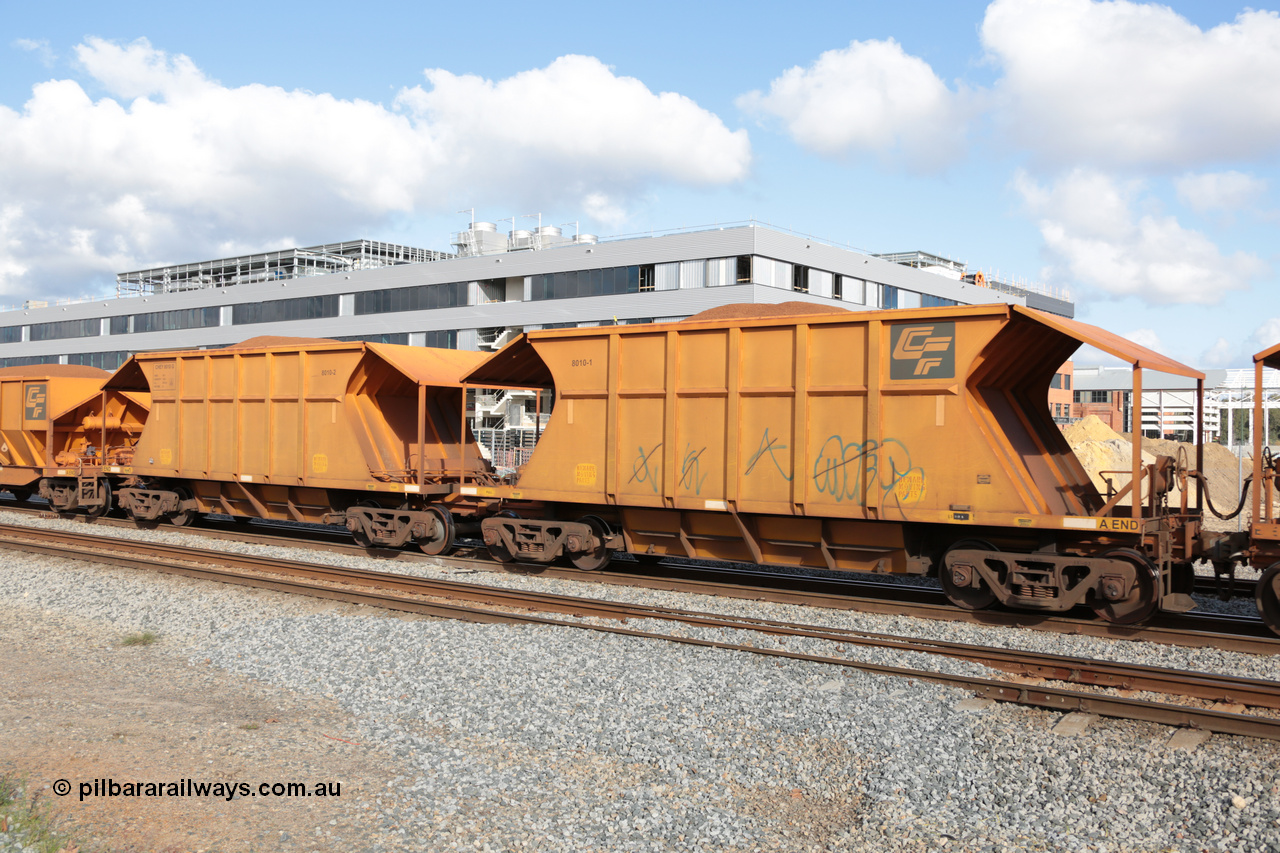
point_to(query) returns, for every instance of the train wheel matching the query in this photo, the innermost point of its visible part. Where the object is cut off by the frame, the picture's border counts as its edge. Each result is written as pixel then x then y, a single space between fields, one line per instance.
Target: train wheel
pixel 597 558
pixel 440 541
pixel 99 511
pixel 1141 601
pixel 498 549
pixel 362 538
pixel 500 552
pixel 1268 597
pixel 962 594
pixel 20 495
pixel 185 517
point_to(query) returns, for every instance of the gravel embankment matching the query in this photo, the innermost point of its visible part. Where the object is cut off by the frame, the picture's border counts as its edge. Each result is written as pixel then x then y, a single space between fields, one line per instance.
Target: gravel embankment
pixel 562 739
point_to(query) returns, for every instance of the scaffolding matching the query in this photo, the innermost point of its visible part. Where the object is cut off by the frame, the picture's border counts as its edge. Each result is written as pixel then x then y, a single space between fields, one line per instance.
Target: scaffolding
pixel 959 271
pixel 1234 401
pixel 272 266
pixel 508 448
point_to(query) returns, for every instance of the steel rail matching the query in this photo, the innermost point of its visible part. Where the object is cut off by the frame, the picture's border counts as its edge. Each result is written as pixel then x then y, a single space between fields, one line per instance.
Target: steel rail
pixel 1241 634
pixel 1099 673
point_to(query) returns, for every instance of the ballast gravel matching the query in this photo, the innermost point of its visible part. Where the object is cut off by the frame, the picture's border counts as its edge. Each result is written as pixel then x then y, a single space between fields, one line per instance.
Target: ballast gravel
pixel 523 738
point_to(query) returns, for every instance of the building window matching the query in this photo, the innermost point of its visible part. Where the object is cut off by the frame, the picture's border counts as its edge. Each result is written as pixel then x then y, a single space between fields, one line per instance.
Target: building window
pixel 168 321
pixel 1056 381
pixel 11 335
pixel 66 329
pixel 603 282
pixel 418 298
pixel 800 279
pixel 442 339
pixel 744 269
pixel 1066 381
pixel 390 338
pixel 889 298
pixel 119 326
pixel 280 310
pixel 853 289
pixel 103 360
pixel 25 361
pixel 1099 396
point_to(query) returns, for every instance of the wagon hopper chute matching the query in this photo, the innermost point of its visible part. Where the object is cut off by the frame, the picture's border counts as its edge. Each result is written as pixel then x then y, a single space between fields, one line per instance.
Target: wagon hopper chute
pixel 900 441
pixel 310 430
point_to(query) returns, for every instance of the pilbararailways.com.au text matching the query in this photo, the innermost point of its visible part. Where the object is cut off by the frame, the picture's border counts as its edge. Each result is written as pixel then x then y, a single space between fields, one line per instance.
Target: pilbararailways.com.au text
pixel 191 788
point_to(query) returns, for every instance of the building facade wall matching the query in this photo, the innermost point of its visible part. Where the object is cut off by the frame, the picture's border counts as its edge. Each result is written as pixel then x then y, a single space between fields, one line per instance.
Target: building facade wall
pixel 700 270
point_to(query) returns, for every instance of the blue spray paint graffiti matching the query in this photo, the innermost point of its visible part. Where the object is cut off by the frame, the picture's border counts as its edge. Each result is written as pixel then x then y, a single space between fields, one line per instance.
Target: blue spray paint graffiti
pixel 641 472
pixel 838 471
pixel 768 446
pixel 691 476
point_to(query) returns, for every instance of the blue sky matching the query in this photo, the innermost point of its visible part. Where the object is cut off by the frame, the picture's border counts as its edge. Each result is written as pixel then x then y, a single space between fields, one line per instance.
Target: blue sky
pixel 1123 151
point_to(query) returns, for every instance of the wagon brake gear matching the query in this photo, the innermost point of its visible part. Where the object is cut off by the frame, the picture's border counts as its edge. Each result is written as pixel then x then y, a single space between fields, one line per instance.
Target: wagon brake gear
pixel 588 542
pixel 431 529
pixel 1120 585
pixel 142 503
pixel 66 494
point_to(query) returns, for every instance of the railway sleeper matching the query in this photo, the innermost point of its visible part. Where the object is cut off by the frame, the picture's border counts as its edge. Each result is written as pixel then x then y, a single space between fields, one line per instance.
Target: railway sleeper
pixel 153 504
pixel 394 528
pixel 1056 582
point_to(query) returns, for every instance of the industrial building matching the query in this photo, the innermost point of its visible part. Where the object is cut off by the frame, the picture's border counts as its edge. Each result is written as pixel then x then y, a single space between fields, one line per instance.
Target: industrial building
pixel 489 289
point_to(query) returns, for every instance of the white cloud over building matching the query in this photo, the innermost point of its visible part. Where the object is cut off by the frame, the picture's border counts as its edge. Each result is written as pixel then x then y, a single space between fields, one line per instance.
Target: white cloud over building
pixel 172 165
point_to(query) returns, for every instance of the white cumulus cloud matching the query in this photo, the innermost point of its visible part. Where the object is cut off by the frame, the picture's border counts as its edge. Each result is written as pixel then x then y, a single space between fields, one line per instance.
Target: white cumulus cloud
pixel 1094 236
pixel 1132 84
pixel 870 97
pixel 39 47
pixel 1148 338
pixel 1267 335
pixel 174 166
pixel 1222 353
pixel 1225 191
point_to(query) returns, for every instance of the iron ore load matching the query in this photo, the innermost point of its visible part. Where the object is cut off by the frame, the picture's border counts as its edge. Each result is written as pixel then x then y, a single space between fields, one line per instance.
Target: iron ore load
pixel 913 442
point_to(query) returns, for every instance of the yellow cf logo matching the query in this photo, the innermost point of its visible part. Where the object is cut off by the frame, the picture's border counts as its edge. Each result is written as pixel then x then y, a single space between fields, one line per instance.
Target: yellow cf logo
pixel 915 344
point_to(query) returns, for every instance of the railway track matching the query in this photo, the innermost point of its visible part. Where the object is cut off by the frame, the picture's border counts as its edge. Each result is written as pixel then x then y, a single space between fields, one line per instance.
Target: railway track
pixel 866 594
pixel 440 598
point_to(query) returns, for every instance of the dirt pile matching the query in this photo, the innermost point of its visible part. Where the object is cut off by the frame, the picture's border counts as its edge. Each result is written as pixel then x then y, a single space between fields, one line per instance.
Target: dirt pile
pixel 1089 429
pixel 1101 449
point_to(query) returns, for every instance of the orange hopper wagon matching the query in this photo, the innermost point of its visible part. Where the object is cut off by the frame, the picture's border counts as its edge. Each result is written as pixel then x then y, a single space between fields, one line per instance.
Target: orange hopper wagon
pixel 915 441
pixel 309 430
pixel 61 434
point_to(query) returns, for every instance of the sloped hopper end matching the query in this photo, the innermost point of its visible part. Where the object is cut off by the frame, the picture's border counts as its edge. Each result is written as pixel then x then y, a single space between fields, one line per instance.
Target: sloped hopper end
pixel 1012 381
pixel 382 400
pixel 517 365
pixel 128 378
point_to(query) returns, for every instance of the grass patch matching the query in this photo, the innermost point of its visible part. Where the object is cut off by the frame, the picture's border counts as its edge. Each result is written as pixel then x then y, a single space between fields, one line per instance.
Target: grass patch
pixel 140 638
pixel 27 818
pixel 249 727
